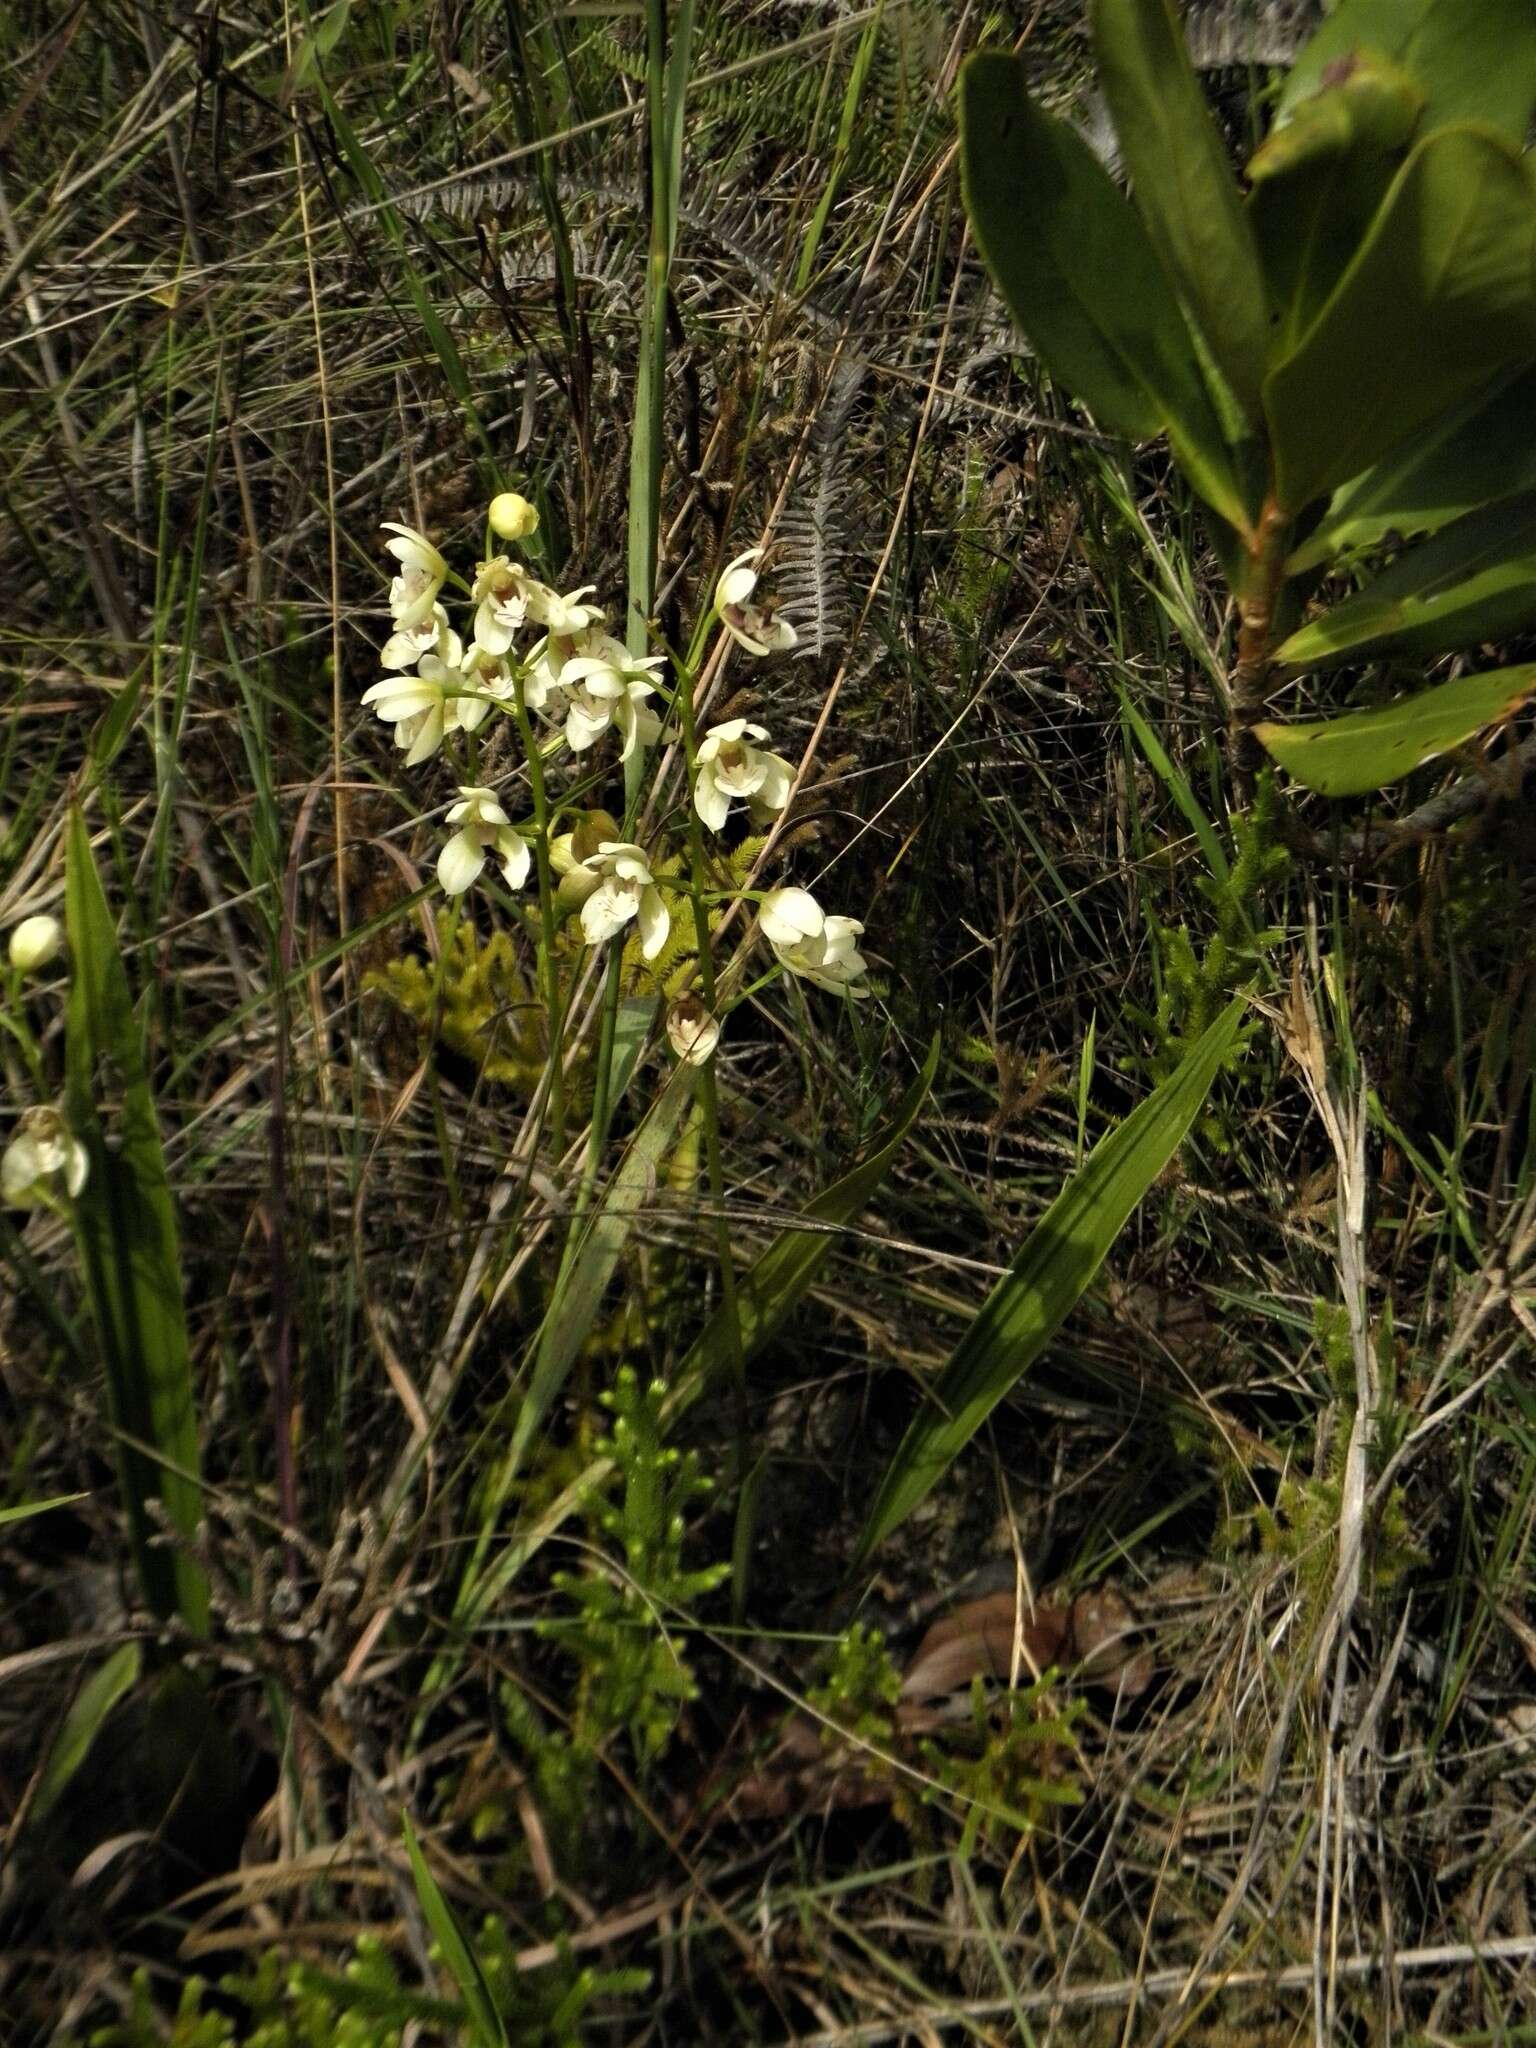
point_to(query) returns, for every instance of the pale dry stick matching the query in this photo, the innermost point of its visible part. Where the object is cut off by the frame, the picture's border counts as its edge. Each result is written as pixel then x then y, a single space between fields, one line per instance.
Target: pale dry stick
pixel 1357 1969
pixel 1344 1122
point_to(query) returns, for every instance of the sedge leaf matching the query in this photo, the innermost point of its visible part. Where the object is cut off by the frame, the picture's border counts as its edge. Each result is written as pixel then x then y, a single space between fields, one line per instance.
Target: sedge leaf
pixel 1048 1278
pixel 125 1227
pixel 1365 750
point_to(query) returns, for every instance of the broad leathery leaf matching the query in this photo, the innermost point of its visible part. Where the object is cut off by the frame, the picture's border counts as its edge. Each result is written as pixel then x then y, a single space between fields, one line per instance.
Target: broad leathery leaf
pixel 1484 450
pixel 1474 60
pixel 83 1722
pixel 125 1228
pixel 1048 1278
pixel 1474 581
pixel 1439 301
pixel 485 2020
pixel 1183 186
pixel 776 1282
pixel 1365 750
pixel 1317 183
pixel 1078 273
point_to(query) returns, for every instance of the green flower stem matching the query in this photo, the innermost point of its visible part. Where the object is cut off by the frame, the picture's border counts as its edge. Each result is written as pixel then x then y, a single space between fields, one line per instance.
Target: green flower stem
pixel 705 1080
pixel 541 819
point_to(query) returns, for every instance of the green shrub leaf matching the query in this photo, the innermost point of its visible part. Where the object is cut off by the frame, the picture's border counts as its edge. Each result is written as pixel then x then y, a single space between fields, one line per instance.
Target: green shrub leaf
pixel 1439 301
pixel 1365 750
pixel 1183 185
pixel 1318 182
pixel 1483 450
pixel 1475 580
pixel 1048 1278
pixel 126 1230
pixel 1474 60
pixel 1079 274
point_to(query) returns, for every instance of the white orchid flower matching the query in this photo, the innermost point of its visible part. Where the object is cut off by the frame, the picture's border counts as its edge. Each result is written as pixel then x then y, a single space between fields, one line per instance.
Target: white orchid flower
pixel 412 550
pixel 448 693
pixel 692 1031
pixel 541 675
pixel 731 768
pixel 35 942
pixel 559 614
pixel 501 592
pixel 758 631
pixel 407 644
pixel 469 678
pixel 608 687
pixel 418 710
pixel 818 948
pixel 484 829
pixel 625 889
pixel 422 574
pixel 42 1159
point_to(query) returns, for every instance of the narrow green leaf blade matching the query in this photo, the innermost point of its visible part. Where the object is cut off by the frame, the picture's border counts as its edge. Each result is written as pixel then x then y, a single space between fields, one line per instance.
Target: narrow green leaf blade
pixel 484 2018
pixel 87 1714
pixel 1474 581
pixel 1481 451
pixel 125 1227
pixel 1078 272
pixel 1365 750
pixel 1439 302
pixel 26 1509
pixel 1048 1278
pixel 579 1295
pixel 777 1281
pixel 1183 185
pixel 1474 60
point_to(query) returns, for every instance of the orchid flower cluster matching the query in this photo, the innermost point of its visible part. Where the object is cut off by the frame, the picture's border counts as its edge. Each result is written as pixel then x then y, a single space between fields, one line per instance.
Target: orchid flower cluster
pixel 545 658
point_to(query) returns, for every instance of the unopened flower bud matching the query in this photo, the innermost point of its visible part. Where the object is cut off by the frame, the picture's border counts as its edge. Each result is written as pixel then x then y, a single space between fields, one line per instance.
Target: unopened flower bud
pixel 512 517
pixel 36 941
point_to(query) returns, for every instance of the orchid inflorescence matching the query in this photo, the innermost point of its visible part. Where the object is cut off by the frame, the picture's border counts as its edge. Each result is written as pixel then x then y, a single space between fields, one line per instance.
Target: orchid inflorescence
pixel 545 658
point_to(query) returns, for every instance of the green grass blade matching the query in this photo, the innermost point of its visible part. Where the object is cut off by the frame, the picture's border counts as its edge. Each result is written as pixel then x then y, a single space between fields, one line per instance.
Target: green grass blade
pixel 580 1293
pixel 84 1721
pixel 125 1227
pixel 1047 1279
pixel 26 1509
pixel 766 1294
pixel 485 2021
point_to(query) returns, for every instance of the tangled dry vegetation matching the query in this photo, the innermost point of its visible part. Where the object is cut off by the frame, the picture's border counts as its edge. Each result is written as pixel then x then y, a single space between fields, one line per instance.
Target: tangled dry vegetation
pixel 274 276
